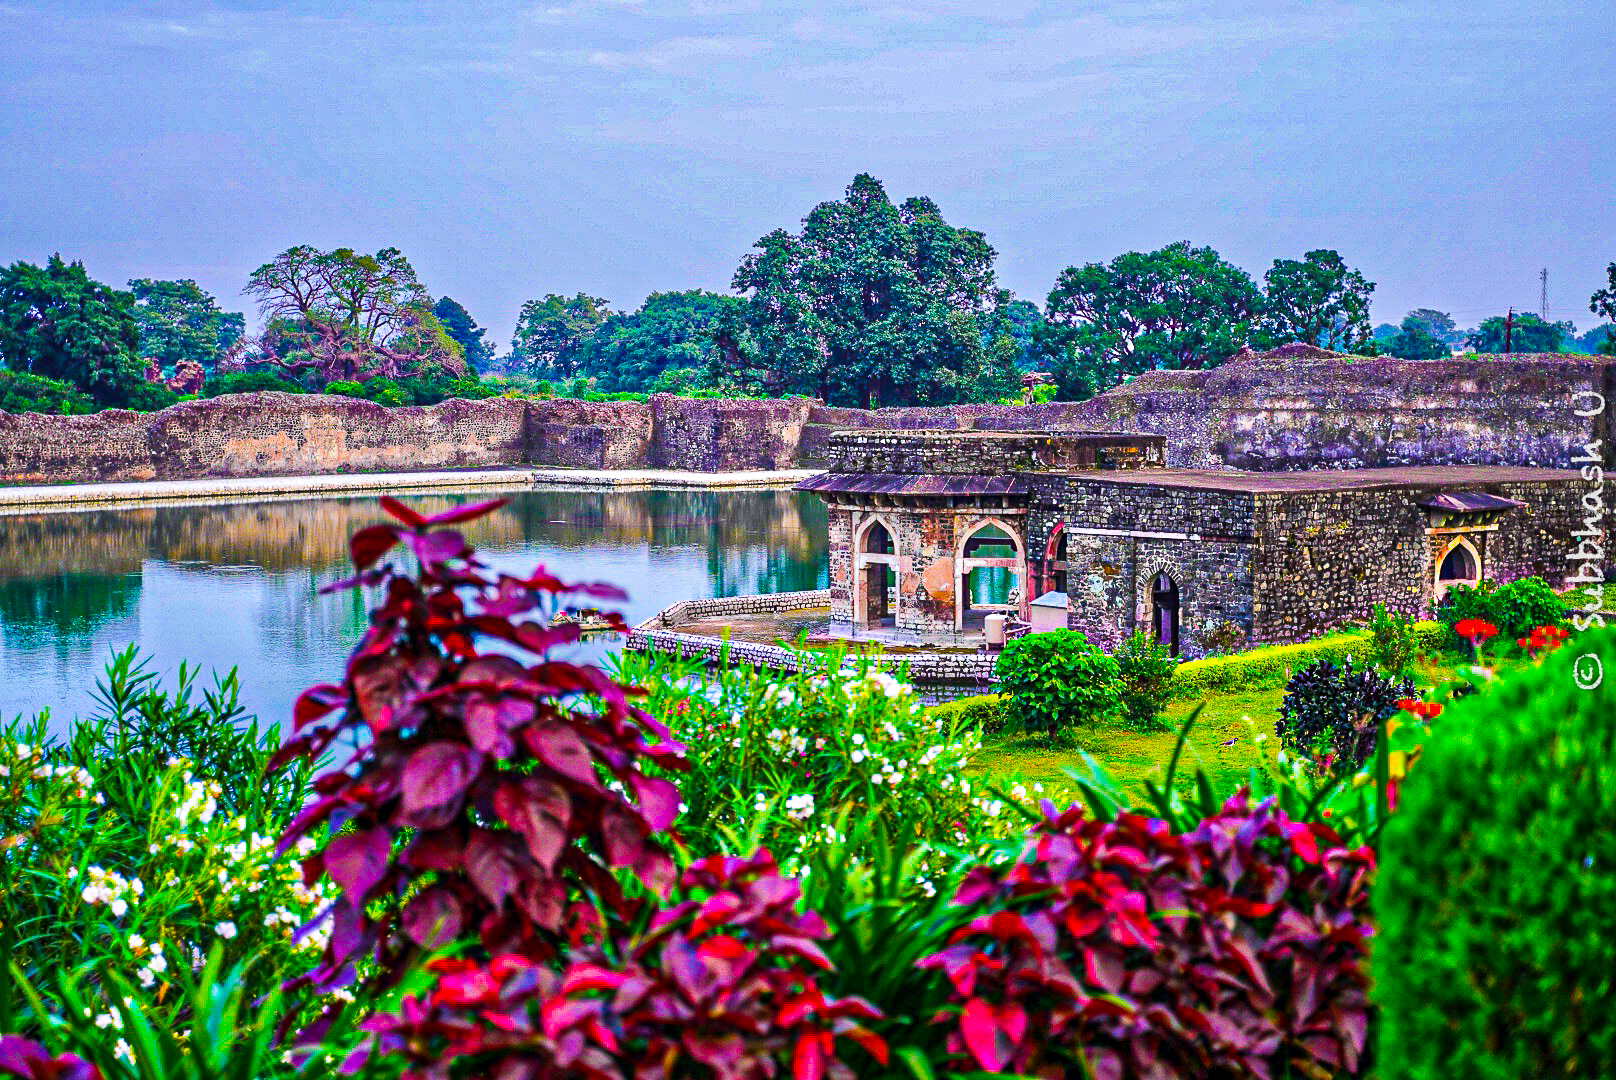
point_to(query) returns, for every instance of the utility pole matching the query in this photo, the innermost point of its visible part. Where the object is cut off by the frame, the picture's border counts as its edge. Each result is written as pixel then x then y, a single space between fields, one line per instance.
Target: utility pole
pixel 1509 327
pixel 1543 298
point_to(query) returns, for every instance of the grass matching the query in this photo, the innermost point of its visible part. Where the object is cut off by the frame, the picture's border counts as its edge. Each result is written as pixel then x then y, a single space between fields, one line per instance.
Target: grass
pixel 1222 741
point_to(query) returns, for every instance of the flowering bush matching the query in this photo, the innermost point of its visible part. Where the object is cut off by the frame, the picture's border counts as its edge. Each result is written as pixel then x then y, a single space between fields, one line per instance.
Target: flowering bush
pixel 1120 949
pixel 1512 610
pixel 780 761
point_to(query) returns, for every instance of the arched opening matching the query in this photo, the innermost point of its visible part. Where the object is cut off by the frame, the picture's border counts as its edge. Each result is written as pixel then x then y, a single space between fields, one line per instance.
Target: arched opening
pixel 992 570
pixel 877 577
pixel 1164 612
pixel 1055 560
pixel 1460 565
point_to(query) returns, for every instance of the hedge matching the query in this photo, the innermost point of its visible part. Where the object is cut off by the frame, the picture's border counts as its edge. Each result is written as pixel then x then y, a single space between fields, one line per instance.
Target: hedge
pixel 1262 668
pixel 1270 665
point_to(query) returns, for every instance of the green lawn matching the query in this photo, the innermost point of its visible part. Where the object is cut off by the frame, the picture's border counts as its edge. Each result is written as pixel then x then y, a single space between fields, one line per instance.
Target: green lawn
pixel 1131 756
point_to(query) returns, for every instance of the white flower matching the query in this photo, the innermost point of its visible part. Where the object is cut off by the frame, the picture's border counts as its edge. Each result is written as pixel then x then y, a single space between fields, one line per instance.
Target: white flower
pixel 226 930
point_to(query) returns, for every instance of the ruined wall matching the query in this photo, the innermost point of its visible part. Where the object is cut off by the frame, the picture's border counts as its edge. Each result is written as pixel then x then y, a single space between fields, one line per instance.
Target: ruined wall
pixel 703 435
pixel 988 453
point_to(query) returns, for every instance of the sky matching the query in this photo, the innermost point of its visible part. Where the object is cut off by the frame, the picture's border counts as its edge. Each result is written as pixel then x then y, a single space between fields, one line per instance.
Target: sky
pixel 619 147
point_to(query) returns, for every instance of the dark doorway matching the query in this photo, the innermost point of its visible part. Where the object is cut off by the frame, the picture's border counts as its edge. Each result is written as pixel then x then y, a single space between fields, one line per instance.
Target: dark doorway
pixel 1164 612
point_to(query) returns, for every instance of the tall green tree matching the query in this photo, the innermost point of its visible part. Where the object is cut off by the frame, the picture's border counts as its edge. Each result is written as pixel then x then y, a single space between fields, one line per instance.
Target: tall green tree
pixel 1599 339
pixel 1317 300
pixel 57 321
pixel 179 321
pixel 1415 341
pixel 1439 324
pixel 631 350
pixel 551 332
pixel 346 316
pixel 869 304
pixel 1529 334
pixel 1603 304
pixel 459 325
pixel 1179 307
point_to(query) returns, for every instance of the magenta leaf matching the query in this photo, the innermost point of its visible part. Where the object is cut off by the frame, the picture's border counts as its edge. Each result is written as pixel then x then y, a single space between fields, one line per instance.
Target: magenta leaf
pixel 559 747
pixel 357 861
pixel 438 774
pixel 434 918
pixel 467 512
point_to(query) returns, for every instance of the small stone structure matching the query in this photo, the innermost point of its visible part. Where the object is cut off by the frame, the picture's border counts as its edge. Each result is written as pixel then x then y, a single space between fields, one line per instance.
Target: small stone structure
pixel 1134 545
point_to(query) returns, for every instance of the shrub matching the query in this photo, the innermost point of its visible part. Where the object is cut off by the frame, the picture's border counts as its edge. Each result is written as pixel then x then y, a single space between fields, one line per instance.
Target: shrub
pixel 979 712
pixel 344 388
pixel 1333 712
pixel 146 397
pixel 1515 609
pixel 1118 948
pixel 1272 665
pixel 1494 955
pixel 1056 680
pixel 249 382
pixel 1146 669
pixel 517 787
pixel 724 979
pixel 21 392
pixel 1393 640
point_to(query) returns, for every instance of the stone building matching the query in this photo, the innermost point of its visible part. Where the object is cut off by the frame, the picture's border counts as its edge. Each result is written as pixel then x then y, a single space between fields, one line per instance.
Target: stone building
pixel 921 521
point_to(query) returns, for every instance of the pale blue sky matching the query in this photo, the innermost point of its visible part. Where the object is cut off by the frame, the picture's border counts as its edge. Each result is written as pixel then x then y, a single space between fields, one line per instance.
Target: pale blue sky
pixel 622 146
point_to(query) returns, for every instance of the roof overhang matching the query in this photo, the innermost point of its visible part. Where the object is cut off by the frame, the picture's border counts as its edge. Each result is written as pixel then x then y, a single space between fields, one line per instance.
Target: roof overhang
pixel 913 484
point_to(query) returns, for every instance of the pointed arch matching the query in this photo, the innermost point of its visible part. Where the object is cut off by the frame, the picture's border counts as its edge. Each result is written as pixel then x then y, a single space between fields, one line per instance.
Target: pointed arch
pixel 1459 563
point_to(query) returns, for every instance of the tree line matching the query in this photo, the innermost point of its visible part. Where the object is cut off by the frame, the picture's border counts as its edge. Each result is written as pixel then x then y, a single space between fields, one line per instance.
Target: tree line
pixel 867 303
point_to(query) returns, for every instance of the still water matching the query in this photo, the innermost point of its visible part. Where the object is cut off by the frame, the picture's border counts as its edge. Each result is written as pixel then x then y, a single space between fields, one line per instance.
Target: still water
pixel 236 584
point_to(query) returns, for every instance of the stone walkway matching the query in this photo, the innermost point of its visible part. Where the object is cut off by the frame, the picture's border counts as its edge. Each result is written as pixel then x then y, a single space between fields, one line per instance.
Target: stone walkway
pixel 23 499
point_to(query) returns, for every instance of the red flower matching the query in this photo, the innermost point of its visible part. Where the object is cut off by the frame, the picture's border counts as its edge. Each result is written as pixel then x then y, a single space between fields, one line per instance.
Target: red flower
pixel 1475 631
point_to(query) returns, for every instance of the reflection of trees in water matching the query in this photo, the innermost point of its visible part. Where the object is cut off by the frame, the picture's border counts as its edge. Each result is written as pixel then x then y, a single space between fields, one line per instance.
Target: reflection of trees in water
pixel 61 605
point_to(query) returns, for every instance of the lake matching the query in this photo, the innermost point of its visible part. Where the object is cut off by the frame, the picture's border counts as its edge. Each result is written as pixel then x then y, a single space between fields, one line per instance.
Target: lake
pixel 236 584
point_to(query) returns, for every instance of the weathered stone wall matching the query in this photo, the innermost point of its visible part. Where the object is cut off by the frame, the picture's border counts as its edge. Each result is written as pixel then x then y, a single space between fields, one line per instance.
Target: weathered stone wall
pixel 1327 557
pixel 1118 537
pixel 704 435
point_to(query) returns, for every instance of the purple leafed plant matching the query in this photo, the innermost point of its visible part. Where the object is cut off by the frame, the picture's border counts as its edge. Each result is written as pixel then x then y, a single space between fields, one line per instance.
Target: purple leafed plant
pixel 1236 949
pixel 490 795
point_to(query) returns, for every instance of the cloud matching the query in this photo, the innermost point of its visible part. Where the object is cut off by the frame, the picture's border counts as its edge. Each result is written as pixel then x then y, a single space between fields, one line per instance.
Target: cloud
pixel 680 54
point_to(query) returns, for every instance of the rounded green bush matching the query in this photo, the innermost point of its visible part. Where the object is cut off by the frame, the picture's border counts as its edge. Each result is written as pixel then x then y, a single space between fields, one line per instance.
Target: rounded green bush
pixel 1516 609
pixel 1496 955
pixel 1057 680
pixel 22 392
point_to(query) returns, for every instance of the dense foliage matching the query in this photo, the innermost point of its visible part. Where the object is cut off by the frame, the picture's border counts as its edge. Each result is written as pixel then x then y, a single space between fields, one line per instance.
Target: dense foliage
pixel 459 325
pixel 181 323
pixel 1057 680
pixel 59 323
pixel 1317 300
pixel 551 333
pixel 671 332
pixel 1497 881
pixel 1515 609
pixel 1394 640
pixel 1179 307
pixel 21 392
pixel 1333 713
pixel 1415 340
pixel 1522 333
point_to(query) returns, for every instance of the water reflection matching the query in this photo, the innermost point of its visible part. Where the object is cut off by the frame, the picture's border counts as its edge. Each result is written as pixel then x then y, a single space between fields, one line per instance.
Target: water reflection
pixel 237 583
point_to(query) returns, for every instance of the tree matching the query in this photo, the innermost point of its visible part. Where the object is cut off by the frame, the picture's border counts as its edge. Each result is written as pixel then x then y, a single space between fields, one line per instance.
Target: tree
pixel 1415 341
pixel 1318 301
pixel 459 325
pixel 1603 304
pixel 58 322
pixel 350 317
pixel 631 350
pixel 550 333
pixel 1014 318
pixel 1439 324
pixel 1529 334
pixel 1179 307
pixel 870 304
pixel 1601 339
pixel 180 322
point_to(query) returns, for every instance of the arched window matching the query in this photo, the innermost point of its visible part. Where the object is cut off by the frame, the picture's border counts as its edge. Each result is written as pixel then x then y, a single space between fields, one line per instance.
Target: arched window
pixel 990 542
pixel 877 540
pixel 1164 612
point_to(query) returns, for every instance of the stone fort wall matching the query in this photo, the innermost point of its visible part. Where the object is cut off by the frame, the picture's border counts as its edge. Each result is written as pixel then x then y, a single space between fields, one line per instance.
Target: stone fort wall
pixel 1260 412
